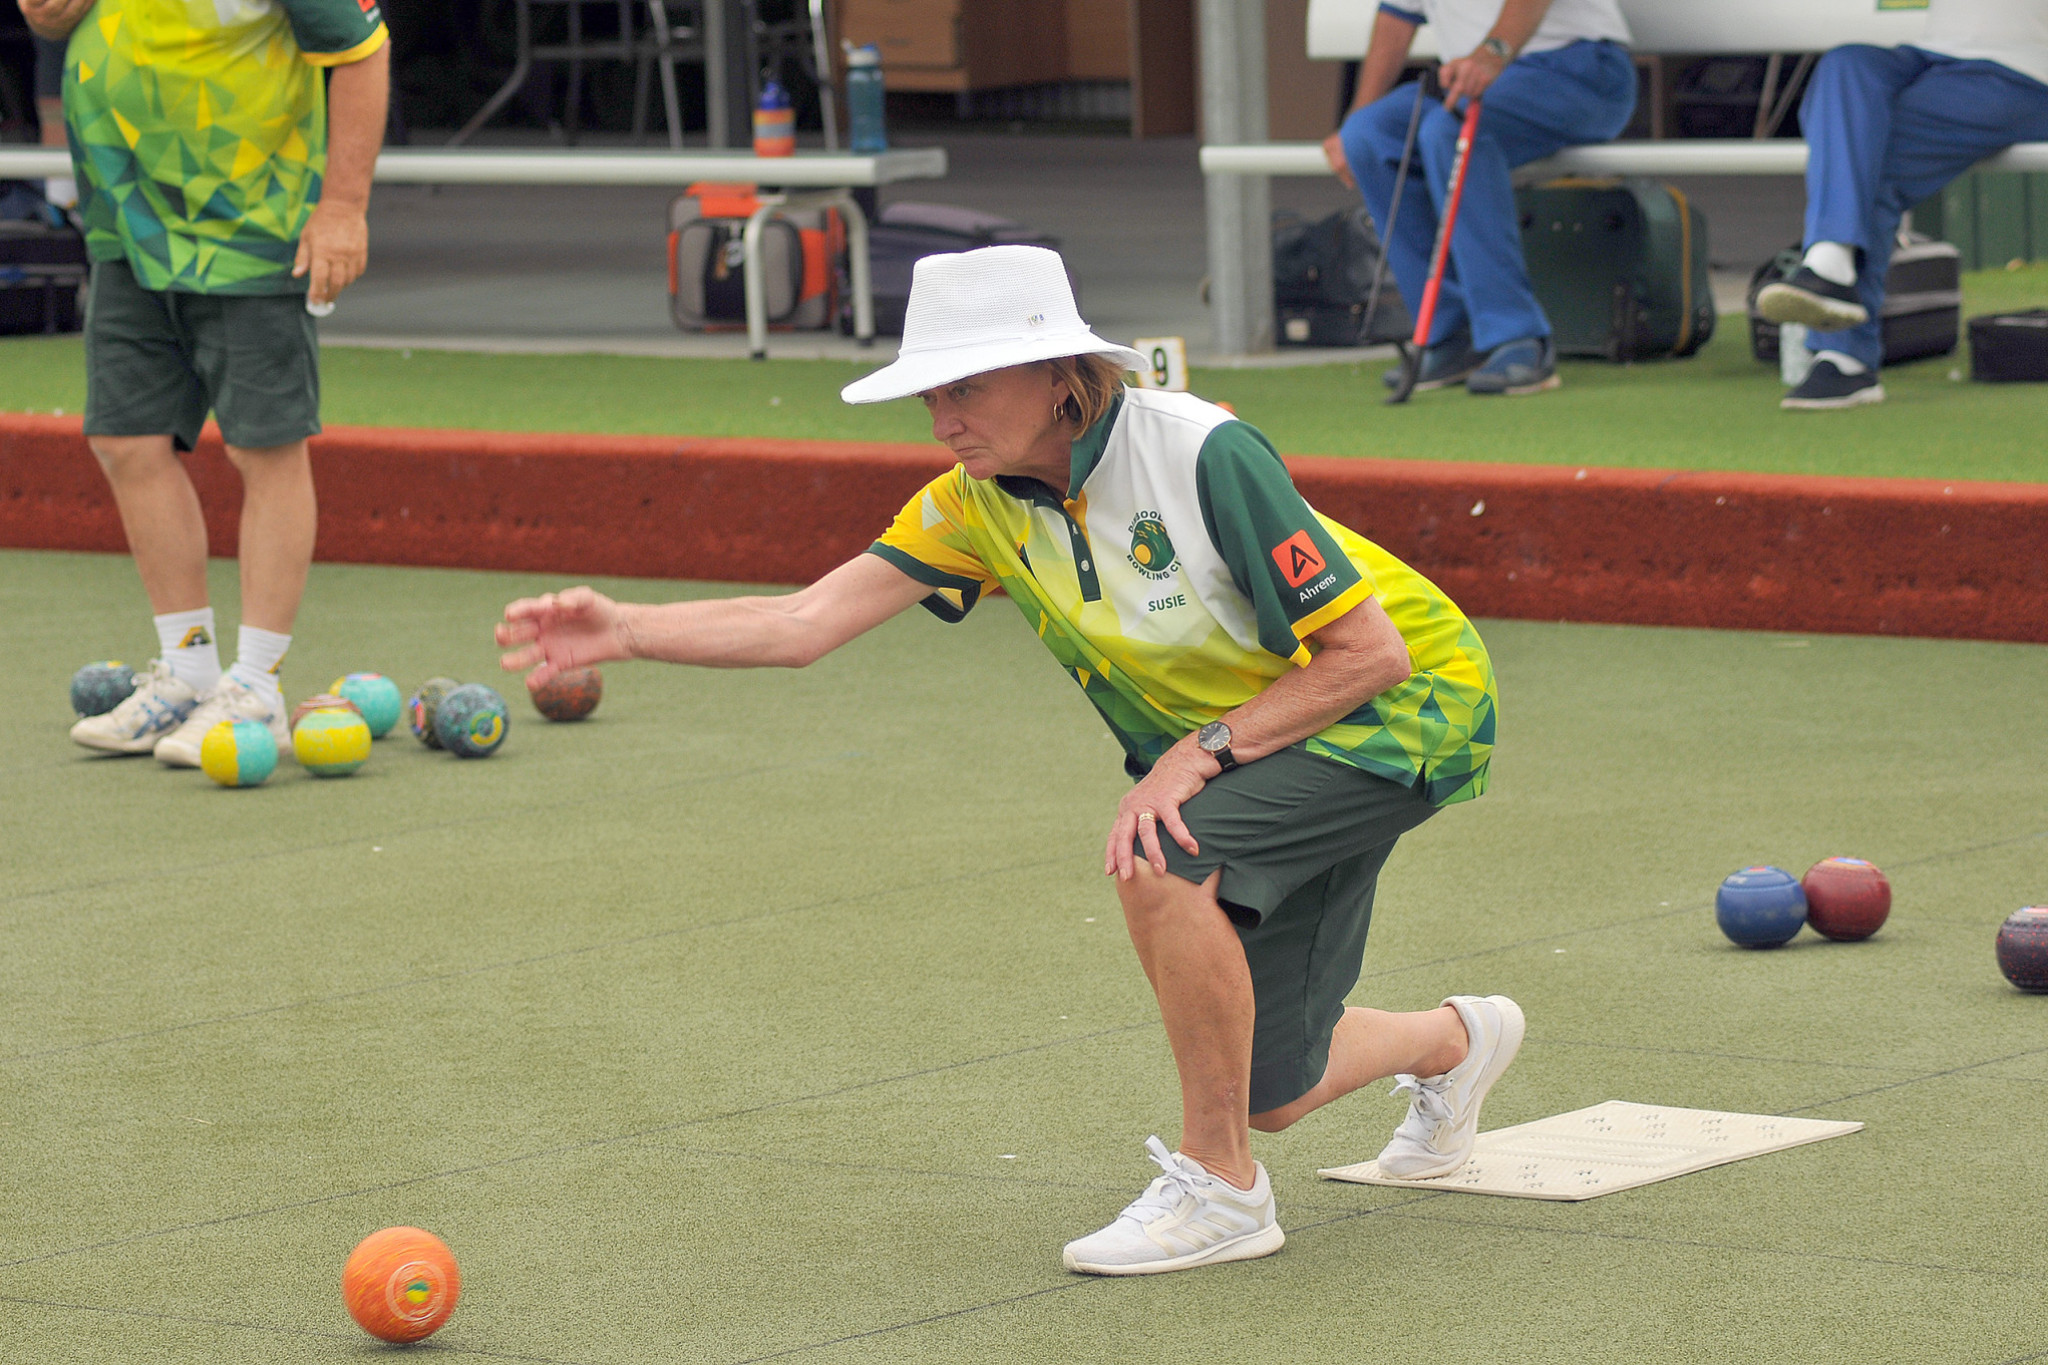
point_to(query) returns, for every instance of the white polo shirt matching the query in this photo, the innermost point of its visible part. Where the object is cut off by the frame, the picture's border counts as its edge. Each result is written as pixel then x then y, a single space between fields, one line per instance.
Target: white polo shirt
pixel 2012 33
pixel 1461 24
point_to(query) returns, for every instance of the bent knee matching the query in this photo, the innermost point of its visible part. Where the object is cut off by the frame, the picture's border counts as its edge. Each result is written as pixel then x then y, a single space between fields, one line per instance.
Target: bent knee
pixel 1151 895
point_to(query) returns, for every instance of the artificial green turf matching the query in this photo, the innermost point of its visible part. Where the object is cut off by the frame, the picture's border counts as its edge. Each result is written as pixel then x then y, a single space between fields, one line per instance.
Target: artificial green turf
pixel 1715 411
pixel 788 1013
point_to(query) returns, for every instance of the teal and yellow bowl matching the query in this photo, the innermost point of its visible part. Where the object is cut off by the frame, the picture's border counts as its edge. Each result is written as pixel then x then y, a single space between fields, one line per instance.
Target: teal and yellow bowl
pixel 376 696
pixel 331 741
pixel 239 753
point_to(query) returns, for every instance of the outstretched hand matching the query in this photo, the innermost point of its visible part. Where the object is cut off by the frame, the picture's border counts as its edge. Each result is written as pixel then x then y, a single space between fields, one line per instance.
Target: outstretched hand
pixel 562 630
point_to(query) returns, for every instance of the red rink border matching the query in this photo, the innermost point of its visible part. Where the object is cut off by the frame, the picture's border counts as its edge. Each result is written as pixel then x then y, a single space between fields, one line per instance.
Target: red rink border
pixel 1646 547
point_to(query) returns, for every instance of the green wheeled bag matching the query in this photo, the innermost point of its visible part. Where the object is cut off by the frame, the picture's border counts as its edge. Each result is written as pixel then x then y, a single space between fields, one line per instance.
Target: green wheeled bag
pixel 1619 265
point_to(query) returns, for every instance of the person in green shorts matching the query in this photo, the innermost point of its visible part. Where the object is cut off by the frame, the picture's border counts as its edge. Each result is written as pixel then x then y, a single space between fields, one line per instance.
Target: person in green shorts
pixel 223 153
pixel 1290 699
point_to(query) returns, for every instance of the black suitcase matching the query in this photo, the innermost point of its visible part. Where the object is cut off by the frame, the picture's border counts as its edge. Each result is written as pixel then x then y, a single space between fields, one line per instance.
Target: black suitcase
pixel 2010 348
pixel 43 265
pixel 905 233
pixel 1619 265
pixel 1923 301
pixel 1322 283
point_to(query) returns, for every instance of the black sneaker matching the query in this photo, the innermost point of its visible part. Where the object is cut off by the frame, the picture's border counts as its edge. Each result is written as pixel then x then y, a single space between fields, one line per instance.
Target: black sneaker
pixel 1827 387
pixel 1812 301
pixel 1444 364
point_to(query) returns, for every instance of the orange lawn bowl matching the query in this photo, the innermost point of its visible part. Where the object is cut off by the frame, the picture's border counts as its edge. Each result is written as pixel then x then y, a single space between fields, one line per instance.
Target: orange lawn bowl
pixel 401 1284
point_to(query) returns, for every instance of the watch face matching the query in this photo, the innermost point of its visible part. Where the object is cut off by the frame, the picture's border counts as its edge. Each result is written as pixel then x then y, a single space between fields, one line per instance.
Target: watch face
pixel 1213 736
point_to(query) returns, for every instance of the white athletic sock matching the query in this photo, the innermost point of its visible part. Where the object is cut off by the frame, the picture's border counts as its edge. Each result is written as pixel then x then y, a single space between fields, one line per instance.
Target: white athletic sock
pixel 185 641
pixel 1832 261
pixel 259 654
pixel 1847 364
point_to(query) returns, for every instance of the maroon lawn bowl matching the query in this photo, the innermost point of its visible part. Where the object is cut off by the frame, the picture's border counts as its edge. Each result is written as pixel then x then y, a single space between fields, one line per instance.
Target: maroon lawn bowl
pixel 571 694
pixel 2023 948
pixel 1846 898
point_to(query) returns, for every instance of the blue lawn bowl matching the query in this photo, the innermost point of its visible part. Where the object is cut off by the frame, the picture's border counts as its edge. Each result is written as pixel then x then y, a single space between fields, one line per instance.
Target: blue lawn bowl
pixel 1760 907
pixel 98 688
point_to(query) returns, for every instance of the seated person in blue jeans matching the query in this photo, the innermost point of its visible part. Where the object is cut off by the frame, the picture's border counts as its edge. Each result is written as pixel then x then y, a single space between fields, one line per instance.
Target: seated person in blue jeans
pixel 1554 74
pixel 1886 127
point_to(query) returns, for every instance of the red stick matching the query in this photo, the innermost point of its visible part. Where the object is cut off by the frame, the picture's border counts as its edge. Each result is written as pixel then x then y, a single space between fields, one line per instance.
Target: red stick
pixel 1426 315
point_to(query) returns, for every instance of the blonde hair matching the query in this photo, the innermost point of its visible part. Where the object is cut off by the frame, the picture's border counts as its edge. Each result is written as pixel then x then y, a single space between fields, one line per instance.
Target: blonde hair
pixel 1093 383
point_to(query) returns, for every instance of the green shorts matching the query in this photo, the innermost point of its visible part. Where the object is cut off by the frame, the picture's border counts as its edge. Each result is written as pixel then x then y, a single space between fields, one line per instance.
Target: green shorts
pixel 1301 840
pixel 157 363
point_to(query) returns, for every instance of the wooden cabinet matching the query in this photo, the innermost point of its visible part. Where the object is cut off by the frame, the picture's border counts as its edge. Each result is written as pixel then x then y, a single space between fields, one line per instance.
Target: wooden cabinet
pixel 988 44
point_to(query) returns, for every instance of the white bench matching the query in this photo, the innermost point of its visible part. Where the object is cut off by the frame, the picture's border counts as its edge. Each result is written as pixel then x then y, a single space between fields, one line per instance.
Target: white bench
pixel 807 180
pixel 1730 156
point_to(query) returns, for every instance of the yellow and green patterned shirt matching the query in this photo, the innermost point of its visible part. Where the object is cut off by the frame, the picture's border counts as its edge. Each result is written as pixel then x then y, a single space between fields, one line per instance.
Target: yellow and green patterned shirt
pixel 199 133
pixel 1182 573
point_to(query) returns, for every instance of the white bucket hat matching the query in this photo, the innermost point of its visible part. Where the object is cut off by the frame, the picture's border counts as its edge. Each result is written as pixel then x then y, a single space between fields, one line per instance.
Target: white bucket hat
pixel 977 311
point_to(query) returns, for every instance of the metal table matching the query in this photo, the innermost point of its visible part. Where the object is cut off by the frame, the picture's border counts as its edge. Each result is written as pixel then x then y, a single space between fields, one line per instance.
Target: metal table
pixel 805 181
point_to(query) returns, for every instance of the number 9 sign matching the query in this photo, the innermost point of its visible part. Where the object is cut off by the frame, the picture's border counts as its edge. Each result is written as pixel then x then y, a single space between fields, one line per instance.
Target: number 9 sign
pixel 1166 363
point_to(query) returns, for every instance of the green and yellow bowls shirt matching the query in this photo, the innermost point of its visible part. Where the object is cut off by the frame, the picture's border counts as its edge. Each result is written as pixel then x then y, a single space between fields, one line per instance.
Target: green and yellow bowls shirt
pixel 1182 573
pixel 199 133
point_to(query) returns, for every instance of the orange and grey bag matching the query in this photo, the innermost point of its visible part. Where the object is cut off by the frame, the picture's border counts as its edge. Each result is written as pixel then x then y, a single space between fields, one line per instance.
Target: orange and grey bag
pixel 802 257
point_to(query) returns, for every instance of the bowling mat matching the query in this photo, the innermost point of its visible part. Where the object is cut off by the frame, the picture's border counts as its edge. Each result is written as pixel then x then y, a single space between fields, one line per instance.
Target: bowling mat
pixel 1608 1147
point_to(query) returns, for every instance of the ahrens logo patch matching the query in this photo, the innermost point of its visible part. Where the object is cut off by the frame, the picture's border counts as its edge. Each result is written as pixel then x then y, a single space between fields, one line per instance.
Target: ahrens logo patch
pixel 1298 558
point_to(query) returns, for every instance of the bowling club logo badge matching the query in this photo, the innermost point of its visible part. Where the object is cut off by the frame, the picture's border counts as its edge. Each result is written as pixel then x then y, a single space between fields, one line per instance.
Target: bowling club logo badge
pixel 415 1291
pixel 1151 552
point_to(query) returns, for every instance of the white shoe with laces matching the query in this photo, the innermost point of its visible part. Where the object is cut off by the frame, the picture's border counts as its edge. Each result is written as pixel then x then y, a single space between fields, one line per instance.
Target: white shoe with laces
pixel 1185 1218
pixel 154 709
pixel 1443 1111
pixel 228 700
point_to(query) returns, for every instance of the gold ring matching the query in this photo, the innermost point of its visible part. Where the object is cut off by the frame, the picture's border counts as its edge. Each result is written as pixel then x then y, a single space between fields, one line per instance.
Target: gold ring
pixel 1146 815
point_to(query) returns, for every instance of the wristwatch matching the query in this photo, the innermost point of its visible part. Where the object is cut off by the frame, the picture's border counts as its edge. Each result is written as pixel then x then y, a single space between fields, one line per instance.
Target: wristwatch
pixel 1499 48
pixel 1214 740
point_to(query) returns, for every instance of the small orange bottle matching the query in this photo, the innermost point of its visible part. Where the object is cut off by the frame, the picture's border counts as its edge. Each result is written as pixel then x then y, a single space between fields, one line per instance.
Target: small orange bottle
pixel 774 123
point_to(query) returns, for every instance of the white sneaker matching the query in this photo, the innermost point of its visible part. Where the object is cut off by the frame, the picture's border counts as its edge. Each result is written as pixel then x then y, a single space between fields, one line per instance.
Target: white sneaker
pixel 154 709
pixel 1443 1111
pixel 1185 1218
pixel 228 700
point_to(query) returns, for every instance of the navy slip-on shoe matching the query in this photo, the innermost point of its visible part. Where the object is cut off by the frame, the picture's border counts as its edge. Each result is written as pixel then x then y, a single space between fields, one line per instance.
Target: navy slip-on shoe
pixel 1517 367
pixel 1825 386
pixel 1812 301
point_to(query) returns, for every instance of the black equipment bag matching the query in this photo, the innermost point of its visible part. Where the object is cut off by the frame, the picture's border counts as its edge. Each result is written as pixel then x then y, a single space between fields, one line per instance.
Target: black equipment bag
pixel 1923 300
pixel 905 233
pixel 2010 348
pixel 43 265
pixel 1619 265
pixel 1322 283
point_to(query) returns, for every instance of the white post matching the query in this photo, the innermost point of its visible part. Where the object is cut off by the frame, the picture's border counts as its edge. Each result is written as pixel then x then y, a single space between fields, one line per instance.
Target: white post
pixel 1239 207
